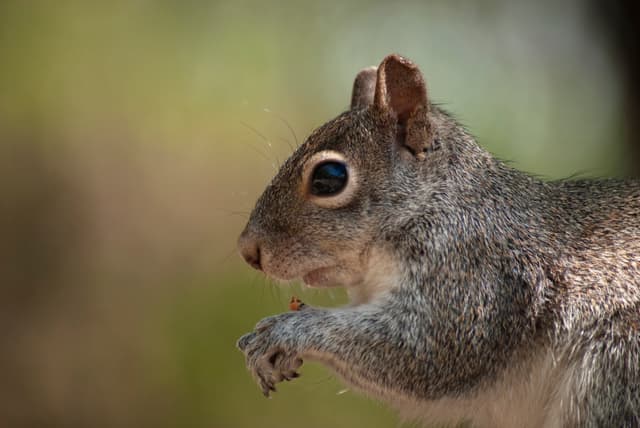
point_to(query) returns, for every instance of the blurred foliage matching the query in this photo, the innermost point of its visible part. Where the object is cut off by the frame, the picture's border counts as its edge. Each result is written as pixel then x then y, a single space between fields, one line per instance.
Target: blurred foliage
pixel 135 137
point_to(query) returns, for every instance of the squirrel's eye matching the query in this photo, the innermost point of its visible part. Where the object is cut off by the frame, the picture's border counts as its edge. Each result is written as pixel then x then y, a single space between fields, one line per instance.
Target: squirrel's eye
pixel 328 178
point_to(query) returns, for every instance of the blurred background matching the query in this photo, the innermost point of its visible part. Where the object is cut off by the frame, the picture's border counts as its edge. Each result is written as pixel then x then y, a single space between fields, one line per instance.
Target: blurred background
pixel 136 136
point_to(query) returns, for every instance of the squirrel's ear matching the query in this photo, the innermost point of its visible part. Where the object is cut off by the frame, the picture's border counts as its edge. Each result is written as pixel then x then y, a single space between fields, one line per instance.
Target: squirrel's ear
pixel 363 88
pixel 400 89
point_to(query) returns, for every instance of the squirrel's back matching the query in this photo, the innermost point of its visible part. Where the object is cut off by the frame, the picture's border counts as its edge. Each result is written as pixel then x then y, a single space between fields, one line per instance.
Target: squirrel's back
pixel 596 271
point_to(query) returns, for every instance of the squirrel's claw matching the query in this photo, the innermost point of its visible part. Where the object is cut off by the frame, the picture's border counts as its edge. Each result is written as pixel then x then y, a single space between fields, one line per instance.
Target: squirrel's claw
pixel 265 385
pixel 269 354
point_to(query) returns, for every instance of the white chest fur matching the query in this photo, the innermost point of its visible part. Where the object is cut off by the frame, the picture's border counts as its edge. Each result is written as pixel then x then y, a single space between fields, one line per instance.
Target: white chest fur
pixel 536 394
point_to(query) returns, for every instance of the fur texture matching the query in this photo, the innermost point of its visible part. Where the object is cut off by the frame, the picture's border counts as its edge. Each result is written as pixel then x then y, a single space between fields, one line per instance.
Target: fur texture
pixel 480 293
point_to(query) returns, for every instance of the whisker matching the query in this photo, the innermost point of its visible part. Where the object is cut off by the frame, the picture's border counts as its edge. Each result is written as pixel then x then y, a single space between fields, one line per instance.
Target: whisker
pixel 288 143
pixel 290 289
pixel 253 284
pixel 266 140
pixel 258 133
pixel 230 212
pixel 260 152
pixel 287 124
pixel 226 258
pixel 272 290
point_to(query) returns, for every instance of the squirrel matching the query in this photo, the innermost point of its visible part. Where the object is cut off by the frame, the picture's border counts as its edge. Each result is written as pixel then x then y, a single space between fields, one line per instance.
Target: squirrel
pixel 478 293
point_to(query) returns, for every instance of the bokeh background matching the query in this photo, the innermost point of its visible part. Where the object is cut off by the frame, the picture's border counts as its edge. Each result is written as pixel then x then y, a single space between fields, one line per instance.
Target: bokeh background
pixel 135 137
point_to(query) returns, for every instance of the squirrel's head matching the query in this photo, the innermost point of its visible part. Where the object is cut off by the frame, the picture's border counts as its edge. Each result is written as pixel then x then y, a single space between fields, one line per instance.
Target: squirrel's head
pixel 323 216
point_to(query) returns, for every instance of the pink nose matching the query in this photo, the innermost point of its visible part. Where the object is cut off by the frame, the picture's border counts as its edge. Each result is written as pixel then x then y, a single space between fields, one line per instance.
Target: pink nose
pixel 250 250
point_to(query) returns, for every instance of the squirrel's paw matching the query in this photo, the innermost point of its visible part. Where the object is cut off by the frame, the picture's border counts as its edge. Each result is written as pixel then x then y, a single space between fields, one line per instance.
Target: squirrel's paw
pixel 270 351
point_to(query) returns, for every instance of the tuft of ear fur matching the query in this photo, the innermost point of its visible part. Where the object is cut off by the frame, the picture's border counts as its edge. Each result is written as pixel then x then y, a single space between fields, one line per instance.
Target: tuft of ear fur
pixel 363 88
pixel 401 90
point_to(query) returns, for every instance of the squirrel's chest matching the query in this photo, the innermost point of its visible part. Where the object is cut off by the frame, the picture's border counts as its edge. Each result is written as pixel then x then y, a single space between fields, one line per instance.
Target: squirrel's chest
pixel 529 396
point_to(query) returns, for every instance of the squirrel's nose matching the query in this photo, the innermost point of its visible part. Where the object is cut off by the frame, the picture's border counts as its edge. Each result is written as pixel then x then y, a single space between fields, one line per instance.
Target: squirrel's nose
pixel 250 249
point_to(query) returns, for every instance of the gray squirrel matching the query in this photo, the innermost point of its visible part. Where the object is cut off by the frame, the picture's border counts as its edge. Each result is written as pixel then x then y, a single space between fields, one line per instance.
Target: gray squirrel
pixel 478 293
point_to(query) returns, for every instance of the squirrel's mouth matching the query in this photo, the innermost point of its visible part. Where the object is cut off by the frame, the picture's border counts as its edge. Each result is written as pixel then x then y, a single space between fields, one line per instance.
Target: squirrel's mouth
pixel 322 277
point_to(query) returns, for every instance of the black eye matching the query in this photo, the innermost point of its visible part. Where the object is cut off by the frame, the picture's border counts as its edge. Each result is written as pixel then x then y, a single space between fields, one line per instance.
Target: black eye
pixel 328 178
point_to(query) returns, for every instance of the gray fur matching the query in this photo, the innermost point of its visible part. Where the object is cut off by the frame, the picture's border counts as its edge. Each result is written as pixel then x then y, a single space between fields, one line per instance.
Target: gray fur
pixel 493 268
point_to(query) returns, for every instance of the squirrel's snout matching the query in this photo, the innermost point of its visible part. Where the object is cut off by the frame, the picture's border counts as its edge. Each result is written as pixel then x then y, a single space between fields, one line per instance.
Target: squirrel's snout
pixel 250 249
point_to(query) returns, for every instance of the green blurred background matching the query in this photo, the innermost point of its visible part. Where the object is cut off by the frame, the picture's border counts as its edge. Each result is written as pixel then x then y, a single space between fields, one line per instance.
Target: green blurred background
pixel 136 136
